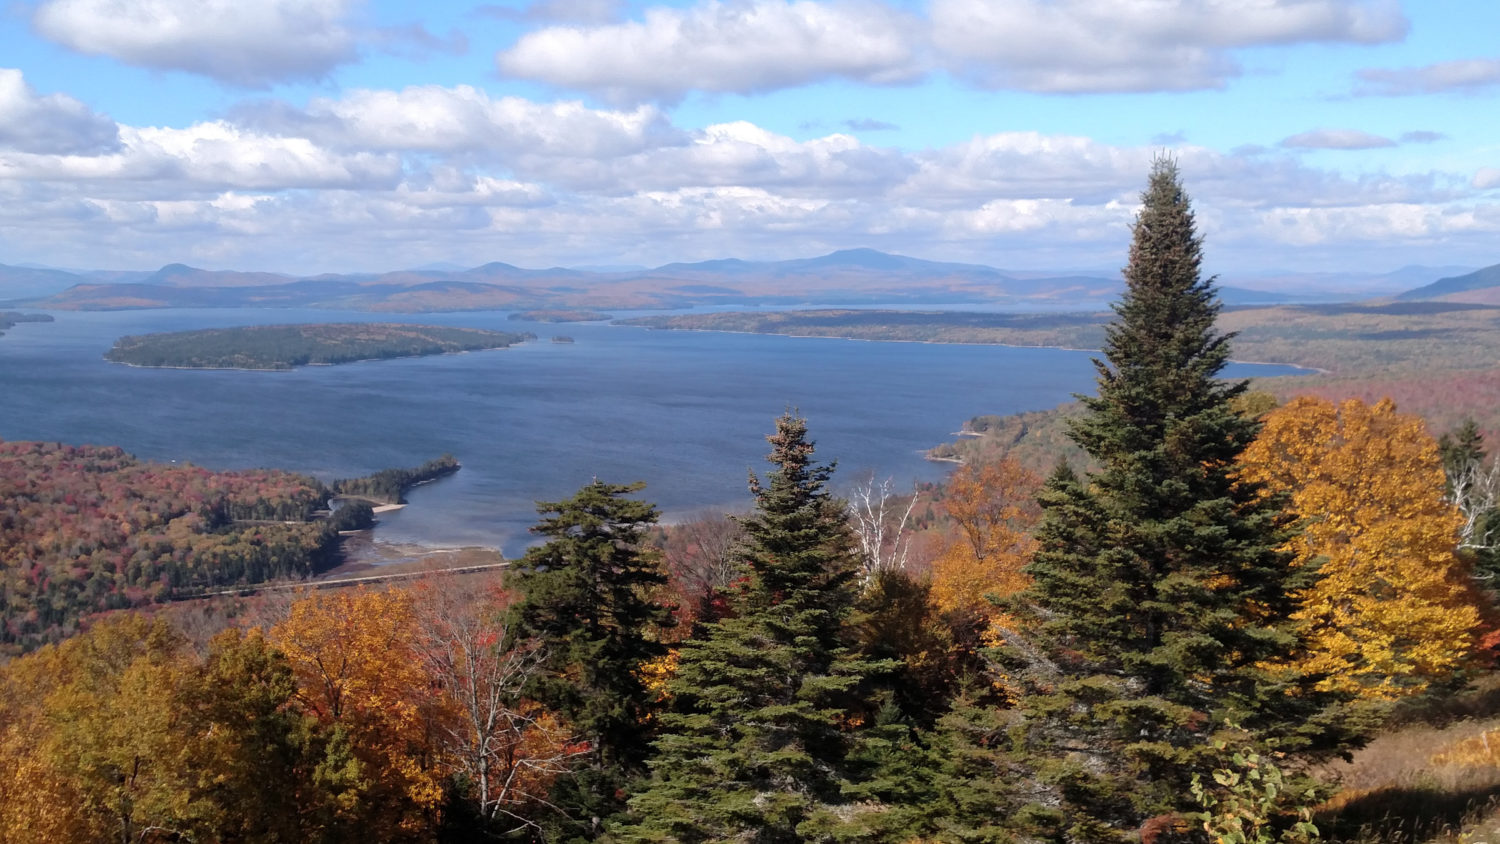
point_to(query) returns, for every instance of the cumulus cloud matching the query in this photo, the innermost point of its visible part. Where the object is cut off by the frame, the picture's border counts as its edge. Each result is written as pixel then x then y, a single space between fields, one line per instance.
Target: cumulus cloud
pixel 1051 46
pixel 1461 75
pixel 252 44
pixel 1081 46
pixel 1336 139
pixel 213 156
pixel 55 123
pixel 432 173
pixel 464 119
pixel 742 46
pixel 1384 223
pixel 738 154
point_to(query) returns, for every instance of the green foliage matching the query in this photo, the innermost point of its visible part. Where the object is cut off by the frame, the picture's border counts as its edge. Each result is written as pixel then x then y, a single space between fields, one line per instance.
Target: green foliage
pixel 389 486
pixel 352 515
pixel 586 596
pixel 761 747
pixel 1253 801
pixel 980 789
pixel 288 346
pixel 932 651
pixel 1161 602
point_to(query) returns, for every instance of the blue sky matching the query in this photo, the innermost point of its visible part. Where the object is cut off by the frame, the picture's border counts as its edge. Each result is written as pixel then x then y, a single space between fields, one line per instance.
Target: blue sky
pixel 335 135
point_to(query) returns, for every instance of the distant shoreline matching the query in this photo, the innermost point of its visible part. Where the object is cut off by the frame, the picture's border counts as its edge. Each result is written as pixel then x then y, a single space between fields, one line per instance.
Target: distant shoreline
pixel 1310 369
pixel 300 365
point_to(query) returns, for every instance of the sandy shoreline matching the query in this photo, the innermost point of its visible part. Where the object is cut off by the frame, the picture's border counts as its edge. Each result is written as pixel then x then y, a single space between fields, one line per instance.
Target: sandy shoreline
pixel 363 552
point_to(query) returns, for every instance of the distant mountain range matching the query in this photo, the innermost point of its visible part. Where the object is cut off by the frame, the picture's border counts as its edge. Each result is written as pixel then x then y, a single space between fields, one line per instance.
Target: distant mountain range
pixel 847 277
pixel 1481 287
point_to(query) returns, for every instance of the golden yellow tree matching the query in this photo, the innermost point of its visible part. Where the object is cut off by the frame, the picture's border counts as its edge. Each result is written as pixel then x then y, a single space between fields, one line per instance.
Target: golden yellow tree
pixel 352 654
pixel 993 505
pixel 96 747
pixel 1390 610
pixel 38 802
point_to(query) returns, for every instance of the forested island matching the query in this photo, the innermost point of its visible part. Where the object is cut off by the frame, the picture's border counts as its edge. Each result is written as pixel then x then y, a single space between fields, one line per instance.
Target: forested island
pixel 281 347
pixel 560 315
pixel 10 319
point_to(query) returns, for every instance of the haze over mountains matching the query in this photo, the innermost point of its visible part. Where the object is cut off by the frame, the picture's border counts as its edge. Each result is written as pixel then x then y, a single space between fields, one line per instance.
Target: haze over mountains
pixel 848 277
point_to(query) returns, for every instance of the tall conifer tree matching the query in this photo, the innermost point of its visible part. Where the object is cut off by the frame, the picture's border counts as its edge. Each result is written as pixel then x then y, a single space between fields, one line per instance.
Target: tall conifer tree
pixel 760 750
pixel 1161 601
pixel 586 597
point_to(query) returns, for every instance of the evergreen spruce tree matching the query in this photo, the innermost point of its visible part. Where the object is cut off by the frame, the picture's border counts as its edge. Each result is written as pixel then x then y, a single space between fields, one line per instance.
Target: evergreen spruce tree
pixel 1161 601
pixel 760 749
pixel 585 595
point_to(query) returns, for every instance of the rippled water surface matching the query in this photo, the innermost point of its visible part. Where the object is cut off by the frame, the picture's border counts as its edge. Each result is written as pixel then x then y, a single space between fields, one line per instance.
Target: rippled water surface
pixel 684 411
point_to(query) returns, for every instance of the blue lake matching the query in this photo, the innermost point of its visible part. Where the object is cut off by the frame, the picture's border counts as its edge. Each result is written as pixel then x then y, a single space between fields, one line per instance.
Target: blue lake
pixel 686 412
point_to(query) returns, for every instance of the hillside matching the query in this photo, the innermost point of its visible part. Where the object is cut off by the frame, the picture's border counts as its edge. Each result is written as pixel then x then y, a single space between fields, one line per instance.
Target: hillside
pixel 85 529
pixel 1480 286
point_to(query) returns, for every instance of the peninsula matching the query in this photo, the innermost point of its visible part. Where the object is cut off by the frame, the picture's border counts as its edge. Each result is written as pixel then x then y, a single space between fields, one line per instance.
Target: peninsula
pixel 279 347
pixel 9 319
pixel 560 315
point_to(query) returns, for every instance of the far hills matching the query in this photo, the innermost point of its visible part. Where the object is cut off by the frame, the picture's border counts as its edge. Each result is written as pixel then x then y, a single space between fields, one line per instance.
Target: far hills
pixel 847 277
pixel 1481 287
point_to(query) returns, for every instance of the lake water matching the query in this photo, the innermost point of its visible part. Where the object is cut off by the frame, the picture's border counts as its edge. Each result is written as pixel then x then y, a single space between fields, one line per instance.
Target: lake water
pixel 686 412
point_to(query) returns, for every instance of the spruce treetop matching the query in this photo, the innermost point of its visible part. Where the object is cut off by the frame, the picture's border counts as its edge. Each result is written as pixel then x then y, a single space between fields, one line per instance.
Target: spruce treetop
pixel 1163 601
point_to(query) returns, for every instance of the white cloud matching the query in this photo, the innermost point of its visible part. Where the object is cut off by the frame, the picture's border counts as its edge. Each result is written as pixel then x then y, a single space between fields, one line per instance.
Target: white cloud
pixel 1082 46
pixel 738 154
pixel 743 46
pixel 1461 75
pixel 1486 178
pixel 252 44
pixel 208 157
pixel 1054 46
pixel 1379 224
pixel 390 178
pixel 55 123
pixel 464 119
pixel 1336 139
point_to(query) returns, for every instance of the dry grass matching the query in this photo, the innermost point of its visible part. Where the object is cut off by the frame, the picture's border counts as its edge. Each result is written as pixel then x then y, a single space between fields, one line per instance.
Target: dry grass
pixel 1434 777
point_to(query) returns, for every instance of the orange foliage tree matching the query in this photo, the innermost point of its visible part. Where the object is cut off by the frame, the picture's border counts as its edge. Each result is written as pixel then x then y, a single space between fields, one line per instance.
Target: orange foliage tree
pixel 352 656
pixel 994 508
pixel 1390 611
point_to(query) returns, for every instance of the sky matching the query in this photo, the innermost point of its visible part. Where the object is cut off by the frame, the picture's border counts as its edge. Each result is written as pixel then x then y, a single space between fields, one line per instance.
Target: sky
pixel 307 136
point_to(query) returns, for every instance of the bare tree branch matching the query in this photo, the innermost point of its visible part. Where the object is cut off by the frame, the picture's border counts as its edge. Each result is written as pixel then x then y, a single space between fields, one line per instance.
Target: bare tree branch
pixel 1474 489
pixel 884 539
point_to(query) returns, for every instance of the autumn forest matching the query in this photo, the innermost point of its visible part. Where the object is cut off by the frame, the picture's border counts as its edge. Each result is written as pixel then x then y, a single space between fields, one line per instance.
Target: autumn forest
pixel 1183 609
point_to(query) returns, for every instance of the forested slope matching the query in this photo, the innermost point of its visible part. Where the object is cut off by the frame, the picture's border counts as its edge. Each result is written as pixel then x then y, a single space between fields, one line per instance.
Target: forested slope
pixel 85 529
